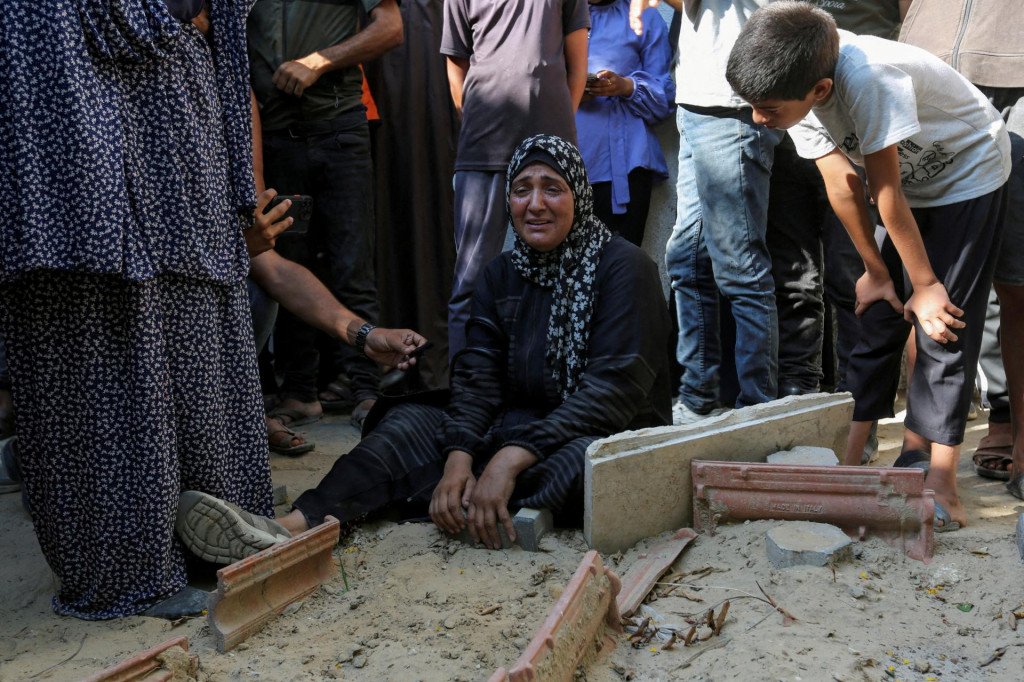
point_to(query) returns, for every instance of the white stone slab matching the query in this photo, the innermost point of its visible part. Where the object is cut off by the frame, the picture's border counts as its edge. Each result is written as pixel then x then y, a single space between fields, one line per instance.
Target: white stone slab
pixel 637 484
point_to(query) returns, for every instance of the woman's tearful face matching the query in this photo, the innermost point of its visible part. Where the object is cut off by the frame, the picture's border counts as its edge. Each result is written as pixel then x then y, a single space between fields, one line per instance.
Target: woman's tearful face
pixel 541 204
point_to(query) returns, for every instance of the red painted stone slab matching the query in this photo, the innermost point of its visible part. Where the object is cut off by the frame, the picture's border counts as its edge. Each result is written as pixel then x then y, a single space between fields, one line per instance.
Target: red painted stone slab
pixel 255 590
pixel 641 576
pixel 890 503
pixel 574 626
pixel 144 666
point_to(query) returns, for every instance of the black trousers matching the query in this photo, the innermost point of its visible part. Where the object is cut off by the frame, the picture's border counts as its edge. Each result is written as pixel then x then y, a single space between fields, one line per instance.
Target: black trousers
pixel 961 241
pixel 336 169
pixel 632 223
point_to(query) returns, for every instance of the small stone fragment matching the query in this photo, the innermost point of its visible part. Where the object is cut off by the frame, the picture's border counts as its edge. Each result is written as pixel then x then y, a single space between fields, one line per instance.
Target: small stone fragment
pixel 280 494
pixel 359 660
pixel 858 592
pixel 922 666
pixel 797 543
pixel 805 455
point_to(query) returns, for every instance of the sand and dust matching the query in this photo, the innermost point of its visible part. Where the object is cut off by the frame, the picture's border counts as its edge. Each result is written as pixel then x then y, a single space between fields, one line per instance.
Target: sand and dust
pixel 420 607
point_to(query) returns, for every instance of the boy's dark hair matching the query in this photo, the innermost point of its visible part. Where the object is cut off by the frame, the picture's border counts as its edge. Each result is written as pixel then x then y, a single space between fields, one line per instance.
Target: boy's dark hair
pixel 784 49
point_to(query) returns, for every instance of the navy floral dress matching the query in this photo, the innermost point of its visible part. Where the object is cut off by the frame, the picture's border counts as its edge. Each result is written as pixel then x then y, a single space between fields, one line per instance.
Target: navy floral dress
pixel 127 163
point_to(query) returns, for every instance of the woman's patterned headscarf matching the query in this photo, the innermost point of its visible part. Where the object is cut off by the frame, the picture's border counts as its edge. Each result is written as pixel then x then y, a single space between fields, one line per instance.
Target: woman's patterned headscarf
pixel 571 267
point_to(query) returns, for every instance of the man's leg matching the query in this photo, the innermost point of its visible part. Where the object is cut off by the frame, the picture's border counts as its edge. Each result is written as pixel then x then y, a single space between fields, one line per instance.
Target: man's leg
pixel 342 170
pixel 732 159
pixel 693 288
pixel 286 169
pixel 796 213
pixel 481 223
pixel 1009 283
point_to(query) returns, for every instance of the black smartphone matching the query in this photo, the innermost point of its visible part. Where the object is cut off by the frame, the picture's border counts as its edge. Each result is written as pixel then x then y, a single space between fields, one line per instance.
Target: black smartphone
pixel 301 210
pixel 420 350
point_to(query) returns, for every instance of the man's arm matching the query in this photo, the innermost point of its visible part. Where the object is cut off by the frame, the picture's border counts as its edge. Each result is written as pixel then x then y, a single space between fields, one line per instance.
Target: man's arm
pixel 930 302
pixel 576 65
pixel 382 33
pixel 298 290
pixel 458 67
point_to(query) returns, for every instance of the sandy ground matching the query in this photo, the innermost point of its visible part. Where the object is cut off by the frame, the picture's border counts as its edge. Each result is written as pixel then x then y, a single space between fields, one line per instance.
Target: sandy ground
pixel 419 607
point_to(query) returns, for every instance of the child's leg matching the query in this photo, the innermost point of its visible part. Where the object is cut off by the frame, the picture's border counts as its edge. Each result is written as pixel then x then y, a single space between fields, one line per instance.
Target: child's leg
pixel 873 369
pixel 960 240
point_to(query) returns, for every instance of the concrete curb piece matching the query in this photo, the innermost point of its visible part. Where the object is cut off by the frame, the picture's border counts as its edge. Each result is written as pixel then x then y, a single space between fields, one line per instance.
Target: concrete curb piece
pixel 144 666
pixel 574 627
pixel 892 503
pixel 806 543
pixel 641 576
pixel 637 484
pixel 255 590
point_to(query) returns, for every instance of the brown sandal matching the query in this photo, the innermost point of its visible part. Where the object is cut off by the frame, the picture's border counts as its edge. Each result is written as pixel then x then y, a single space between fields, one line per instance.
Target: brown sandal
pixel 994 456
pixel 281 440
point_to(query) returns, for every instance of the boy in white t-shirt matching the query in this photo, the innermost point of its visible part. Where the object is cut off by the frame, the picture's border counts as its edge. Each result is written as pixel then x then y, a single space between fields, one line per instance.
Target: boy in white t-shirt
pixel 937 156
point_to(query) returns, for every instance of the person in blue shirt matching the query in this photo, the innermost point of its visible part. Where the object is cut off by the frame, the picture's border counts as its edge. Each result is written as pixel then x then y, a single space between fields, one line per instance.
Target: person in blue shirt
pixel 629 90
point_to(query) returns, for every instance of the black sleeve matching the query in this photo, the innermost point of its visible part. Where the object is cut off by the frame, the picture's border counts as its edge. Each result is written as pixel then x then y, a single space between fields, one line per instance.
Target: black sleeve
pixel 625 354
pixel 478 372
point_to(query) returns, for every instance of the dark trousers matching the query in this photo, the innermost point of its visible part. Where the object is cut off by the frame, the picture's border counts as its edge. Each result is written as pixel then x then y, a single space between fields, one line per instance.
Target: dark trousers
pixel 814 265
pixel 960 240
pixel 336 169
pixel 630 224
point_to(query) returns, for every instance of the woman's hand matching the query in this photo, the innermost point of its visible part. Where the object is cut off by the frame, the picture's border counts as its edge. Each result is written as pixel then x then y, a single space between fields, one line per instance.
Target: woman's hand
pixel 267 226
pixel 452 493
pixel 936 313
pixel 488 503
pixel 391 347
pixel 610 84
pixel 873 288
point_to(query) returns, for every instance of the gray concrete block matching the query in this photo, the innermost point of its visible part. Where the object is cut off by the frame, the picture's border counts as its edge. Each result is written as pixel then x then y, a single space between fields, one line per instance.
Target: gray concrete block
pixel 531 525
pixel 805 455
pixel 280 494
pixel 805 543
pixel 638 484
pixel 466 537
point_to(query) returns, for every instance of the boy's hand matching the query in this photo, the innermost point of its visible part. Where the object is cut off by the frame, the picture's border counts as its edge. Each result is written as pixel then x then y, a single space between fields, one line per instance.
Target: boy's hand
pixel 873 288
pixel 936 313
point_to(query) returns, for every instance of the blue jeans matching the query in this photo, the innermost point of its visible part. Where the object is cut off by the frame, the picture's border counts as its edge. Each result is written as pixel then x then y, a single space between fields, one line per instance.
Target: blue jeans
pixel 718 247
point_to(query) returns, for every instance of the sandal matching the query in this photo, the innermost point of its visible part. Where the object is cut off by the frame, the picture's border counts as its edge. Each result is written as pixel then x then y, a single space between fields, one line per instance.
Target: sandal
pixel 994 456
pixel 360 412
pixel 947 523
pixel 281 440
pixel 343 400
pixel 914 459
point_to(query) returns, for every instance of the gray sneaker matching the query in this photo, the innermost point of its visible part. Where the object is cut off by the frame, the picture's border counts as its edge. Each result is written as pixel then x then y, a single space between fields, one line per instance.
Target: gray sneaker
pixel 683 415
pixel 219 532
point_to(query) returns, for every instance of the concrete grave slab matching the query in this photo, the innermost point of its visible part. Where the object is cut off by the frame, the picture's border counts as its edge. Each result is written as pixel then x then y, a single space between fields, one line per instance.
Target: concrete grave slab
pixel 638 483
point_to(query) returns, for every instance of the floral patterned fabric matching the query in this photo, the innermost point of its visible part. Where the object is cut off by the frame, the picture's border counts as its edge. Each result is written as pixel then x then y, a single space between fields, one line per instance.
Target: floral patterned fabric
pixel 127 139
